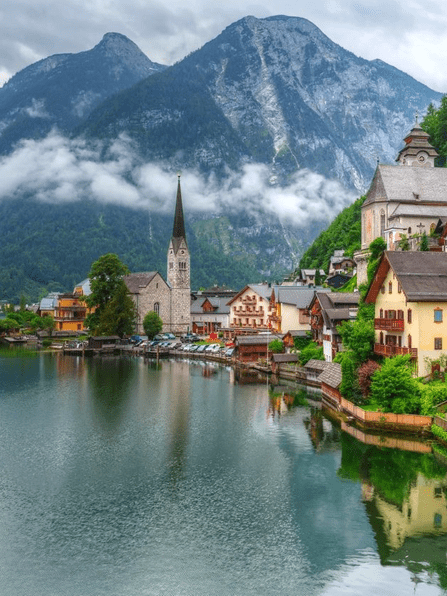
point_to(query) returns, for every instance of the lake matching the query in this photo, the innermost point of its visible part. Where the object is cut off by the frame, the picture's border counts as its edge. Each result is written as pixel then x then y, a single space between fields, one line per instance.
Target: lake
pixel 121 479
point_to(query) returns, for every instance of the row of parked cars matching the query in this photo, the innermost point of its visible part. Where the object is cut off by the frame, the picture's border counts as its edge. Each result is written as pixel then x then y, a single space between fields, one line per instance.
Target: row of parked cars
pixel 210 349
pixel 168 341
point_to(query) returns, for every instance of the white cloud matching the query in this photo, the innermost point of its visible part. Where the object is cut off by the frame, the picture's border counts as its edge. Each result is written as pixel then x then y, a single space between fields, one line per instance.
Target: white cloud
pixel 408 34
pixel 58 170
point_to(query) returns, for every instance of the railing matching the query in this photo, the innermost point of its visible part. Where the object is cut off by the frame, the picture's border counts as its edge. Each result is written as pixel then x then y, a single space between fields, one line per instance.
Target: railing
pixel 389 324
pixel 384 350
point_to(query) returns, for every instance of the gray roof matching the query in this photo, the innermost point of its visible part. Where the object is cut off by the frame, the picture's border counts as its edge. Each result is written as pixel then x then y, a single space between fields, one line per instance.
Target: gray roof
pixel 331 375
pixel 419 210
pixel 316 364
pixel 220 305
pixel 137 281
pixel 85 285
pixel 408 184
pixel 261 338
pixel 49 302
pixel 299 296
pixel 422 275
pixel 297 332
pixel 263 290
pixel 284 358
pixel 312 271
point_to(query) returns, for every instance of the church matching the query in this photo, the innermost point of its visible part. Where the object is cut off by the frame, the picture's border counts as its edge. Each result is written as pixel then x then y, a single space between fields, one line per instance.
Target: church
pixel 170 299
pixel 407 199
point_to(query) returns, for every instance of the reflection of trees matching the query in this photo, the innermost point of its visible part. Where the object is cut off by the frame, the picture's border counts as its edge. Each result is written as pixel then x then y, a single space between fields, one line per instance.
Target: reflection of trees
pixel 405 499
pixel 110 380
pixel 392 472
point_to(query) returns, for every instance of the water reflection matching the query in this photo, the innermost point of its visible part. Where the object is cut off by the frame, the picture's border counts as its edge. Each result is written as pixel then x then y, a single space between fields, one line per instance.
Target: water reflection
pixel 404 493
pixel 110 380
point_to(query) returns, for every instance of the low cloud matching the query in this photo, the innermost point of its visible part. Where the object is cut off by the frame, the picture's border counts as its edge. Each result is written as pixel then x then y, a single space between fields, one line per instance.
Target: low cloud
pixel 58 170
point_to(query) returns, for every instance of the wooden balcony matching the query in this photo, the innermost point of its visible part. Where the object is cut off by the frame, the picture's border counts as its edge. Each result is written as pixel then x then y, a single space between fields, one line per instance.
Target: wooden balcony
pixel 389 324
pixel 394 350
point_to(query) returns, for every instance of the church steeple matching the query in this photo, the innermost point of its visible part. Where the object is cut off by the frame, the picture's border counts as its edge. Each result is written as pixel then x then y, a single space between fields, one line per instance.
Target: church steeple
pixel 179 270
pixel 178 230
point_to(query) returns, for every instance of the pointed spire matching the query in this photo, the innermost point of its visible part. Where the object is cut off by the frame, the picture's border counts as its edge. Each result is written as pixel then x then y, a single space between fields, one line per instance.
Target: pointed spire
pixel 179 221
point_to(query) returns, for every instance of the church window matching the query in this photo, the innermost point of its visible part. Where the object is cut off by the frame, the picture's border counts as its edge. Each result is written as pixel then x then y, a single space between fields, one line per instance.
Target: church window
pixel 171 265
pixel 382 222
pixel 182 265
pixel 157 308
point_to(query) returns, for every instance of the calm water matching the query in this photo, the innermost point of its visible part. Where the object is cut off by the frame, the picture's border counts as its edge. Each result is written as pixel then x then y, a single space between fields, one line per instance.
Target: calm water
pixel 117 479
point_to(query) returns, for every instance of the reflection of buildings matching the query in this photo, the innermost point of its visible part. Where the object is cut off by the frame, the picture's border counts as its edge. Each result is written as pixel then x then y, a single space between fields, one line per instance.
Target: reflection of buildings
pixel 423 512
pixel 179 405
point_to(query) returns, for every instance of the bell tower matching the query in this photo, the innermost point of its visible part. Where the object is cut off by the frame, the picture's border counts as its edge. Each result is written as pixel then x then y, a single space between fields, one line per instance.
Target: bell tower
pixel 179 271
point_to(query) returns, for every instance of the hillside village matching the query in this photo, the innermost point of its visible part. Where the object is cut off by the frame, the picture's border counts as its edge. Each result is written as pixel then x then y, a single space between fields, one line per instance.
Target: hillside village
pixel 405 206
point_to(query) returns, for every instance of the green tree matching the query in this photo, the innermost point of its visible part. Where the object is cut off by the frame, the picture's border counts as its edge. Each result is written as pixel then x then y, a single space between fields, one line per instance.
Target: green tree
pixel 393 387
pixel 276 346
pixel 105 276
pixel 311 352
pixel 359 337
pixel 404 244
pixel 349 387
pixel 376 249
pixel 435 123
pixel 424 242
pixel 119 315
pixel 47 323
pixel 152 324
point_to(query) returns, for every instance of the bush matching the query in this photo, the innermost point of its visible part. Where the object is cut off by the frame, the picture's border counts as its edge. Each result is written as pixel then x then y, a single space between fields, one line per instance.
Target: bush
pixel 276 346
pixel 393 387
pixel 432 394
pixel 365 372
pixel 311 352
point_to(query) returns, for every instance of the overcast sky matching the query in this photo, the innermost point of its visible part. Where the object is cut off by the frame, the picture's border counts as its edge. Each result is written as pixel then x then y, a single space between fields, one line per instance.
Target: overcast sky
pixel 409 34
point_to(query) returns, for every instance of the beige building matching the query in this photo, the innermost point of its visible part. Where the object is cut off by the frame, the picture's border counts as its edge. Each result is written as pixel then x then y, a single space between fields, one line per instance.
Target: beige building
pixel 251 308
pixel 169 299
pixel 290 308
pixel 408 198
pixel 409 291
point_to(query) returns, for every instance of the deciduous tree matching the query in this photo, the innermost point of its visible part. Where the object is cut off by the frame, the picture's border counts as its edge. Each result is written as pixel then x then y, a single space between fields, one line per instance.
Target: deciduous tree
pixel 152 324
pixel 105 276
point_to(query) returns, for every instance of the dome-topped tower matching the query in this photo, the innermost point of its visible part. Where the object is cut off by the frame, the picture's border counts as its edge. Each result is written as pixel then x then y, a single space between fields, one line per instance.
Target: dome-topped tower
pixel 417 151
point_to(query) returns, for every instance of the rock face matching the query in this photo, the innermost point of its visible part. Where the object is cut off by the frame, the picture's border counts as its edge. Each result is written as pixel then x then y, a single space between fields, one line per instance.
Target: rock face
pixel 276 91
pixel 273 91
pixel 61 91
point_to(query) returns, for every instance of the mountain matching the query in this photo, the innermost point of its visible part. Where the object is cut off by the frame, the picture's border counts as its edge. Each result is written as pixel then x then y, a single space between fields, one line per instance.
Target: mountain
pixel 274 94
pixel 275 91
pixel 50 248
pixel 63 89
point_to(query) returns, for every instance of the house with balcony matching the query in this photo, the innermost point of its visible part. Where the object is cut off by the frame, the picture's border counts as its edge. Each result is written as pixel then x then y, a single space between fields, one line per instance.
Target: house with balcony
pixel 209 314
pixel 290 308
pixel 68 310
pixel 327 311
pixel 409 291
pixel 250 308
